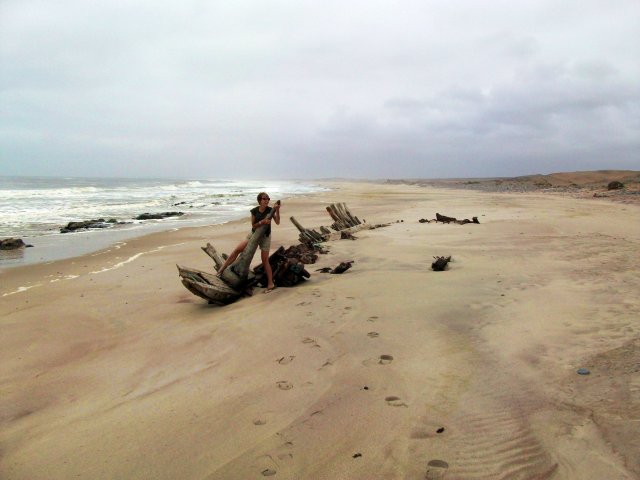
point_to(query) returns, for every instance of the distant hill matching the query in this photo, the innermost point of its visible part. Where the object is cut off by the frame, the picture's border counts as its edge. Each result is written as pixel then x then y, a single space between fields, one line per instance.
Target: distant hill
pixel 579 184
pixel 582 179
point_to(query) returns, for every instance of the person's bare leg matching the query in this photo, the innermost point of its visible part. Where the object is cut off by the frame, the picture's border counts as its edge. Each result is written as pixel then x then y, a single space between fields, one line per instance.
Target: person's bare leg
pixel 267 268
pixel 232 258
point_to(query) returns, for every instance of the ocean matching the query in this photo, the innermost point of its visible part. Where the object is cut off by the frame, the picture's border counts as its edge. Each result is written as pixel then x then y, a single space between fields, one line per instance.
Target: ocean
pixel 36 208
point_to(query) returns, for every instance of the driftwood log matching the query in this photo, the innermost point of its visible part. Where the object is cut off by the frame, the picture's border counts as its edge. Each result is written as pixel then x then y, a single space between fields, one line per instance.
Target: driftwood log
pixel 340 268
pixel 208 286
pixel 445 219
pixel 213 253
pixel 440 264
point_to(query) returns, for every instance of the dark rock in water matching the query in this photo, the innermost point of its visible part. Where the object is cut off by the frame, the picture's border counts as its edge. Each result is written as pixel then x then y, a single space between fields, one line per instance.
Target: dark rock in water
pixel 158 216
pixel 99 223
pixel 615 185
pixel 12 244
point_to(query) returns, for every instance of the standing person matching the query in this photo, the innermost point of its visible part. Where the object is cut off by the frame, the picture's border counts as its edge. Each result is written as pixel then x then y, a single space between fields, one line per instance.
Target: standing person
pixel 258 218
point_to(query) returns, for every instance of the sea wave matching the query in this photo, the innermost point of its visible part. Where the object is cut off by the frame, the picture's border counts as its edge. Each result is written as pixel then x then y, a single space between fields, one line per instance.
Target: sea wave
pixel 40 206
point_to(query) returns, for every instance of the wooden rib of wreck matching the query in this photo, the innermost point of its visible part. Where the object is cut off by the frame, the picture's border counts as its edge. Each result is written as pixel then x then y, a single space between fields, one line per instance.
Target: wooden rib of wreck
pixel 343 221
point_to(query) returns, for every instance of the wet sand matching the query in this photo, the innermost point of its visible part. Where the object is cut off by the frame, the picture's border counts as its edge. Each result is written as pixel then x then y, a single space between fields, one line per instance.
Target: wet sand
pixel 112 369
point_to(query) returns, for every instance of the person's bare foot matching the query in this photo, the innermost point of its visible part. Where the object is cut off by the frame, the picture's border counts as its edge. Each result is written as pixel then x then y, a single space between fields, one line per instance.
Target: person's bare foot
pixel 270 289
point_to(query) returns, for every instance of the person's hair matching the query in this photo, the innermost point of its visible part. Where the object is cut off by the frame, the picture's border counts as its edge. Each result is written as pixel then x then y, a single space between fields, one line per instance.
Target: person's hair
pixel 260 195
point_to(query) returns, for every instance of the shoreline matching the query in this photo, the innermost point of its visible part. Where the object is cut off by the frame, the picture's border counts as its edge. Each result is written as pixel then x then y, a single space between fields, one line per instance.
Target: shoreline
pixel 60 246
pixel 112 369
pixel 583 185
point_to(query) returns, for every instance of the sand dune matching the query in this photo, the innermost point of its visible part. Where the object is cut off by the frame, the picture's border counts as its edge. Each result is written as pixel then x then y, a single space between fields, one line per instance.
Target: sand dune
pixel 111 369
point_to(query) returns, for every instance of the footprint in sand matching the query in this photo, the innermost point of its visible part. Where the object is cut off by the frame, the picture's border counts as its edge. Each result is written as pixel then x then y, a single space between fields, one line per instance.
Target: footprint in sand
pixel 311 342
pixel 373 334
pixel 328 363
pixel 266 465
pixel 285 360
pixel 395 401
pixel 381 360
pixel 372 318
pixel 259 421
pixel 284 385
pixel 436 469
pixel 385 359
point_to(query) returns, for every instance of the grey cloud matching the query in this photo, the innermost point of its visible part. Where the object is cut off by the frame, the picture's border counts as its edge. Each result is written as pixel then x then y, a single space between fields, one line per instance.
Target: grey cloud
pixel 408 88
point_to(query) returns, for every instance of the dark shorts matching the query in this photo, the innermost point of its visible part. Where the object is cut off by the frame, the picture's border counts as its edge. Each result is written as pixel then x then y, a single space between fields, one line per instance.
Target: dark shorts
pixel 265 243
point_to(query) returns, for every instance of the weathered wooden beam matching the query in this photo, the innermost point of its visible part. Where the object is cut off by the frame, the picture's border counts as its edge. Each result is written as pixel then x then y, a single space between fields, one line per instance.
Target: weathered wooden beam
pixel 307 235
pixel 297 224
pixel 209 250
pixel 334 217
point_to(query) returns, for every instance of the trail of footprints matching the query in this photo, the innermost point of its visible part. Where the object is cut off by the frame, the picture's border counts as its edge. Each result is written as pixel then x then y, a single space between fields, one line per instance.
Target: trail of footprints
pixel 269 465
pixel 491 438
pixel 493 441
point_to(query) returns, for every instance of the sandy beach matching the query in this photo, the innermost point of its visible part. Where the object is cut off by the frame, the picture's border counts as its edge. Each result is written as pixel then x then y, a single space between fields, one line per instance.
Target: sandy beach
pixel 111 369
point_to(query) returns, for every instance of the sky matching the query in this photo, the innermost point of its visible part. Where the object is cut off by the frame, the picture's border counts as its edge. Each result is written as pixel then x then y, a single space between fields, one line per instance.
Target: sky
pixel 318 89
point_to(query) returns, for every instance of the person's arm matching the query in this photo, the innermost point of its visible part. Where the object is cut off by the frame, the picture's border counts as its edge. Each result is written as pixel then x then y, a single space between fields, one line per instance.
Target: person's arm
pixel 255 224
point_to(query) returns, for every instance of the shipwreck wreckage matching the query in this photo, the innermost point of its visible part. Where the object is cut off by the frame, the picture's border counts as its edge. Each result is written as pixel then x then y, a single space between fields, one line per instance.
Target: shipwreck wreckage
pixel 287 265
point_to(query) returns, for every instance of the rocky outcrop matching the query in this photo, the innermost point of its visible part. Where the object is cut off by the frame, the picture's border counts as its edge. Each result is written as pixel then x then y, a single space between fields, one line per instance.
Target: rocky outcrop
pixel 12 244
pixel 158 216
pixel 98 223
pixel 615 185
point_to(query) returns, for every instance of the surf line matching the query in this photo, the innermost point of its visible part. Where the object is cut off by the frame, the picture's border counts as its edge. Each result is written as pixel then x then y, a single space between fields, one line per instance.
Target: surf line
pixel 21 289
pixel 135 257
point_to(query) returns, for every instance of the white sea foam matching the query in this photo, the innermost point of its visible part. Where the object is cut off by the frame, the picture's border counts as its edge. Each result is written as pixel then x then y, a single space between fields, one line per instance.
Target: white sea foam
pixel 135 257
pixel 21 289
pixel 35 209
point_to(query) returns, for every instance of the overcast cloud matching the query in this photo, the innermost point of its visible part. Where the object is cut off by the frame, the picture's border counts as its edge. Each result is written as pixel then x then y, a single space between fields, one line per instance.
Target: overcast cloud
pixel 308 89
